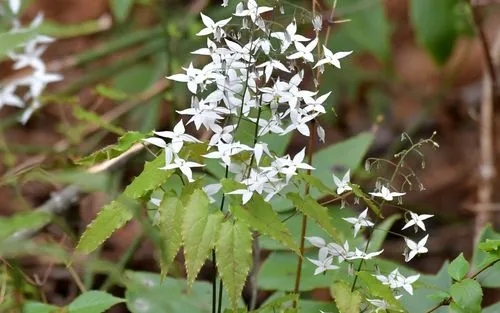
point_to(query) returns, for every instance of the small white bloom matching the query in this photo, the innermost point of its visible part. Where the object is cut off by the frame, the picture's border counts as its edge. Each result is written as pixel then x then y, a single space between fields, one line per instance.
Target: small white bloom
pixel 211 190
pixel 15 6
pixel 395 280
pixel 304 52
pixel 323 263
pixel 184 166
pixel 213 28
pixel 317 23
pixel 381 305
pixel 316 241
pixel 8 96
pixel 417 220
pixel 360 221
pixel 343 185
pixel 177 135
pixel 321 133
pixel 386 194
pixel 415 248
pixel 331 58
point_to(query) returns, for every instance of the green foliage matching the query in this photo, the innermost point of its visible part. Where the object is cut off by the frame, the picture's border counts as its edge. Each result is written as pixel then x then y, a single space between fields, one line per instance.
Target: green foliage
pixel 93 118
pixel 199 232
pixel 93 301
pixel 380 233
pixel 458 268
pixel 260 216
pixel 150 293
pixel 171 212
pixel 491 276
pixel 312 209
pixel 9 41
pixel 110 218
pixel 347 301
pixel 112 151
pixel 149 179
pixel 378 290
pixel 110 93
pixel 467 295
pixel 121 9
pixel 22 221
pixel 234 257
pixel 436 26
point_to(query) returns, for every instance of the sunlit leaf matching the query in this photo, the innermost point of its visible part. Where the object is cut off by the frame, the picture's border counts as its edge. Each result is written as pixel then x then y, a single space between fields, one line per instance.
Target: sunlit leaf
pixel 93 301
pixel 347 301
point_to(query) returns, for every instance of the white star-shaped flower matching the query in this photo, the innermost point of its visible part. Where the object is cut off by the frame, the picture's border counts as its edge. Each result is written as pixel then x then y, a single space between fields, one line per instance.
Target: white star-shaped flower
pixel 184 166
pixel 360 221
pixel 304 52
pixel 212 27
pixel 343 185
pixel 417 220
pixel 324 262
pixel 415 248
pixel 386 194
pixel 177 135
pixel 331 58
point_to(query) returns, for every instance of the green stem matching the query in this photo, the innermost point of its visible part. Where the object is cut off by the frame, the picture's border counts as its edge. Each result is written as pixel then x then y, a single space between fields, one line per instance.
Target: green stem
pixel 303 229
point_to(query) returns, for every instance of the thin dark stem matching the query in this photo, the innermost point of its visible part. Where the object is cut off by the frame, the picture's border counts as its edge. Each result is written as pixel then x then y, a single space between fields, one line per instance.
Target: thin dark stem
pixel 219 308
pixel 303 229
pixel 214 283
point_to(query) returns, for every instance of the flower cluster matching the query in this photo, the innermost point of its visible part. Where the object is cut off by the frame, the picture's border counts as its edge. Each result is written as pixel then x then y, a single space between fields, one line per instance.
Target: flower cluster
pixel 29 55
pixel 254 75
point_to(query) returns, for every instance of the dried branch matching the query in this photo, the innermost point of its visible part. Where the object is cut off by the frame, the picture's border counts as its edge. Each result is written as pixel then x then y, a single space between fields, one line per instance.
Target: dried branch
pixel 487 168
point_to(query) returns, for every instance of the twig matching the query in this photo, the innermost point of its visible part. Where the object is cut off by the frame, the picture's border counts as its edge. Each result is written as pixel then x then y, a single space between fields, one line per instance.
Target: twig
pixel 486 137
pixel 62 200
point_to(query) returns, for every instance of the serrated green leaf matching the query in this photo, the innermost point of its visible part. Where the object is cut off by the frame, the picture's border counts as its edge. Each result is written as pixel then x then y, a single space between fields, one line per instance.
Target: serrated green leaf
pixel 199 232
pixel 171 211
pixel 11 40
pixel 346 300
pixel 379 290
pixel 22 221
pixel 435 23
pixel 121 9
pixel 149 179
pixel 458 268
pixel 234 257
pixel 110 218
pixel 316 183
pixel 312 209
pixel 467 294
pixel 93 301
pixel 124 143
pixel 380 233
pixel 92 118
pixel 260 216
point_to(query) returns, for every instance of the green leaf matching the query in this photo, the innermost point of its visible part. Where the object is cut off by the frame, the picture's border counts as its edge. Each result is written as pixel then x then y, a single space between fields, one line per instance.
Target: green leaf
pixel 121 9
pixel 458 268
pixel 93 301
pixel 260 216
pixel 467 294
pixel 346 300
pixel 11 40
pixel 380 232
pixel 378 290
pixel 435 26
pixel 491 276
pixel 22 221
pixel 312 209
pixel 83 179
pixel 38 307
pixel 344 155
pixel 171 216
pixel 369 21
pixel 61 31
pixel 199 232
pixel 494 308
pixel 111 93
pixel 110 218
pixel 92 118
pixel 234 257
pixel 491 246
pixel 152 293
pixel 112 151
pixel 149 179
pixel 279 269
